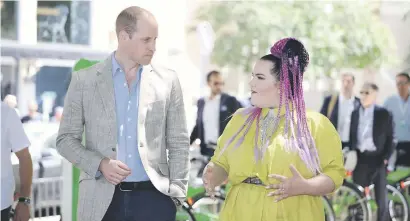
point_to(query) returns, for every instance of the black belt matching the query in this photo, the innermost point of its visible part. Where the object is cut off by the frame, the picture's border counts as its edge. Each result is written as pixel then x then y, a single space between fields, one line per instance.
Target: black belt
pixel 135 186
pixel 253 180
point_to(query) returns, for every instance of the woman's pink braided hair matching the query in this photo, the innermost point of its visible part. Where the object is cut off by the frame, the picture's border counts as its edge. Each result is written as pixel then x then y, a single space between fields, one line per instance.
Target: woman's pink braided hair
pixel 294 60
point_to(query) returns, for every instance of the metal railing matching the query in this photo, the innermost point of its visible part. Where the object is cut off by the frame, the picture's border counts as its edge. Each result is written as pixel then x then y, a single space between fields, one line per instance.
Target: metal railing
pixel 46 198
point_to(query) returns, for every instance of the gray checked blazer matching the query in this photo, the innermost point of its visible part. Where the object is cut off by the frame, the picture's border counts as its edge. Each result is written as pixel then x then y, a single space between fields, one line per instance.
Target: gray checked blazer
pixel 163 137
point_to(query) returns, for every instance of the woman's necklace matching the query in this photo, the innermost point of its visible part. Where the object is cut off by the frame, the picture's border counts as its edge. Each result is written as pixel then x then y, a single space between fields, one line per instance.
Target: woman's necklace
pixel 267 127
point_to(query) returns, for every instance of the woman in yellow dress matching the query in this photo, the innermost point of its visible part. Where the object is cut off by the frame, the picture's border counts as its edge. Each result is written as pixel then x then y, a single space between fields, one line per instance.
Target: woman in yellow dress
pixel 279 157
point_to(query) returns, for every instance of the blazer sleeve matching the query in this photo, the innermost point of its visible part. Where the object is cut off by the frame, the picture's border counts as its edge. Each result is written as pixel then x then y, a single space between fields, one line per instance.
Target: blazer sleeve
pixel 390 142
pixel 71 130
pixel 177 138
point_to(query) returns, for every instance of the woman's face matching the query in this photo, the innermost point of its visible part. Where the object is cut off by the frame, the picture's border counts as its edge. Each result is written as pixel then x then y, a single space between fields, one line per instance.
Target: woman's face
pixel 264 87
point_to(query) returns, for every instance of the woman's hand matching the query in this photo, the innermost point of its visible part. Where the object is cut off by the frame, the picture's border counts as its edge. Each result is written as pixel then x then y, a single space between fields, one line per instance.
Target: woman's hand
pixel 207 179
pixel 288 186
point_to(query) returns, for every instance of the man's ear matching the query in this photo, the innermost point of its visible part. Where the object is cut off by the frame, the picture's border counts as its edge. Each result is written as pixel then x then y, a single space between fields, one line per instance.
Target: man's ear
pixel 123 35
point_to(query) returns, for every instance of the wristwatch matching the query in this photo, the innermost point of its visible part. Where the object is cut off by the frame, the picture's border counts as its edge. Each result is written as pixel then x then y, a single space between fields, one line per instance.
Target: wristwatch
pixel 24 200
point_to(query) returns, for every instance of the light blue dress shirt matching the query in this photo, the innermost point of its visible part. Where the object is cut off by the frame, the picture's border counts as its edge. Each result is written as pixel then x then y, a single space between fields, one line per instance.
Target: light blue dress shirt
pixel 400 110
pixel 126 106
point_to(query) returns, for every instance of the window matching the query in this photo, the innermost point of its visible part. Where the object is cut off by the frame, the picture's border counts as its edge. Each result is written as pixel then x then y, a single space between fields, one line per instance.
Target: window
pixel 55 79
pixel 63 22
pixel 9 20
pixel 8 80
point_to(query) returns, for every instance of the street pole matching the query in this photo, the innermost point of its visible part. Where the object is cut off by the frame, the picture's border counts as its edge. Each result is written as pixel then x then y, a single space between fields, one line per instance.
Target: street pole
pixel 206 37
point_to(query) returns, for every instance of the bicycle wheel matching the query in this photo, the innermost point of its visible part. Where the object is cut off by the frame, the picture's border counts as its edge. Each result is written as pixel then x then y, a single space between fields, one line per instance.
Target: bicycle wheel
pixel 207 208
pixel 329 213
pixel 349 203
pixel 398 205
pixel 185 213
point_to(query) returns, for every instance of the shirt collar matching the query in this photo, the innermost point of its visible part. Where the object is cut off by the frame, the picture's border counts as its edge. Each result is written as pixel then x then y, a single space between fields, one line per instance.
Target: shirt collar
pixel 116 67
pixel 217 97
pixel 367 110
pixel 343 98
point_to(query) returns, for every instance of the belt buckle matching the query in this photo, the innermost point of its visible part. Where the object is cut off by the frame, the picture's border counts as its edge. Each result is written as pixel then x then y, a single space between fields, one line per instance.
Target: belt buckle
pixel 123 189
pixel 251 180
pixel 256 181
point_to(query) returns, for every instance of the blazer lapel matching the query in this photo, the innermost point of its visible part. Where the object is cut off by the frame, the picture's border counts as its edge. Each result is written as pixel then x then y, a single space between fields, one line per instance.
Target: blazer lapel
pixel 356 102
pixel 201 106
pixel 354 127
pixel 105 86
pixel 335 113
pixel 223 114
pixel 146 93
pixel 376 124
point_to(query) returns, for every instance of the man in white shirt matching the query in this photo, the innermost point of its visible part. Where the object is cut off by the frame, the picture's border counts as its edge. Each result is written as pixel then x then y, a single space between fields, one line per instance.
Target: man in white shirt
pixel 338 108
pixel 214 113
pixel 14 139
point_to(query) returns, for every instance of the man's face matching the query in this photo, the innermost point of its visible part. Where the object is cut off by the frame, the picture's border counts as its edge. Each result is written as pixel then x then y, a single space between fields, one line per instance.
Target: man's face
pixel 347 83
pixel 403 85
pixel 141 46
pixel 216 84
pixel 368 96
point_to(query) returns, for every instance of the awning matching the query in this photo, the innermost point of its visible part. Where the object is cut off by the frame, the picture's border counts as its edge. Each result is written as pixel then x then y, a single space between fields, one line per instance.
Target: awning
pixel 50 51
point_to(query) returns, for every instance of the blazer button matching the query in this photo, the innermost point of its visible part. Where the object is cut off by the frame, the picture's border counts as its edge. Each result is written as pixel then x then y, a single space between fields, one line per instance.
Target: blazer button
pixel 141 145
pixel 113 149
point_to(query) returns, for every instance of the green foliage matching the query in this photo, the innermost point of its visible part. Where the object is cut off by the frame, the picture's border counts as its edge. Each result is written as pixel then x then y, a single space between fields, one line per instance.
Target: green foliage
pixel 337 34
pixel 406 18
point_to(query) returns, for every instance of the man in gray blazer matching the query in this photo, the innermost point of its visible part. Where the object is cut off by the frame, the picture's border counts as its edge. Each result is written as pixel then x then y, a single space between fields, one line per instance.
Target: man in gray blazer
pixel 135 161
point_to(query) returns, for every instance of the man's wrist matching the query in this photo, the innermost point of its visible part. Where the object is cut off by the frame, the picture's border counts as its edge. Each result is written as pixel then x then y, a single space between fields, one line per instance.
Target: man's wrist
pixel 103 161
pixel 24 200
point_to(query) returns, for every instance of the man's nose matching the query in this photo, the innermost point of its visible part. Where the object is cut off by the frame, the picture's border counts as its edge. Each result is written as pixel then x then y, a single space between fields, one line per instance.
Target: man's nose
pixel 152 47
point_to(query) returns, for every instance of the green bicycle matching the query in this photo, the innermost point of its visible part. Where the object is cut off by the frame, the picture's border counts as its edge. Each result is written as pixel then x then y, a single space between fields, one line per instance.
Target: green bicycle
pixel 353 202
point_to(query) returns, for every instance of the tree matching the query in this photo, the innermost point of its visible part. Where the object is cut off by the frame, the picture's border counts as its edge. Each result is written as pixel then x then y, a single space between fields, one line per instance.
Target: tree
pixel 337 34
pixel 406 17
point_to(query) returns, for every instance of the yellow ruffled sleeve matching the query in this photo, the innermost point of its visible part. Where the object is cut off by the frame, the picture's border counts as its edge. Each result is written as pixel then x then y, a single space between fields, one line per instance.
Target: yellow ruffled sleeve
pixel 329 148
pixel 220 157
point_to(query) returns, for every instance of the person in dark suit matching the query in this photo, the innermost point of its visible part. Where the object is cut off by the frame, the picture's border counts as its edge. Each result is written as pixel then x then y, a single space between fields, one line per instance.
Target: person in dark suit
pixel 371 136
pixel 214 113
pixel 338 108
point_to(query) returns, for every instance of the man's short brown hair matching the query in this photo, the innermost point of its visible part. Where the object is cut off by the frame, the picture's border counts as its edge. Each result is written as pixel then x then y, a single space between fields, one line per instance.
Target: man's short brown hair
pixel 348 74
pixel 127 19
pixel 212 73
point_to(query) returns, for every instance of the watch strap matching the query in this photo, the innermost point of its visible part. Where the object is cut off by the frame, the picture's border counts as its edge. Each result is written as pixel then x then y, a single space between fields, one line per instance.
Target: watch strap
pixel 24 200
